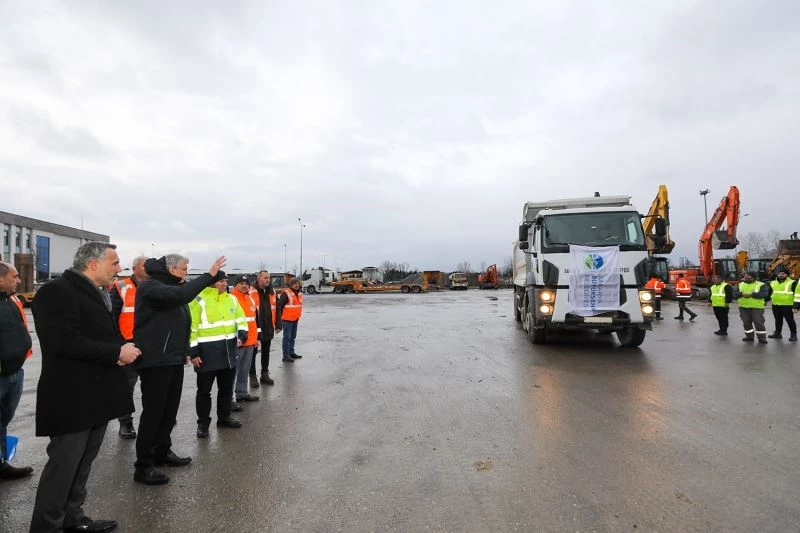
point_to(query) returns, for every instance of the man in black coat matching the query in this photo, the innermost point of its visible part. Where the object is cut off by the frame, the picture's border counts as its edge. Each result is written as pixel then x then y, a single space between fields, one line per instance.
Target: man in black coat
pixel 82 384
pixel 161 329
pixel 265 319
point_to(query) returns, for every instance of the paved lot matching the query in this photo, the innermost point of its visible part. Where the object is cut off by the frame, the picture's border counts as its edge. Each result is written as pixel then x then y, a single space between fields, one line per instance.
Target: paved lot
pixel 433 412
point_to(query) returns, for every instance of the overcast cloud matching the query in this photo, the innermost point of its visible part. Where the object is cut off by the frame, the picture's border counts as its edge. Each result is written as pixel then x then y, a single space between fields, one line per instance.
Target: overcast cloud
pixel 401 131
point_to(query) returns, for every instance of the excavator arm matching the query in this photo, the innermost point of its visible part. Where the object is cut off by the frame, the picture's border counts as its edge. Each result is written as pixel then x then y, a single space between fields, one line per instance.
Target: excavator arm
pixel 713 237
pixel 657 244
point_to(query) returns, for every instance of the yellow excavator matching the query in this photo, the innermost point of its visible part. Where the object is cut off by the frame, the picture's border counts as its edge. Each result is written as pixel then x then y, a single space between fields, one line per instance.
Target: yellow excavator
pixel 658 242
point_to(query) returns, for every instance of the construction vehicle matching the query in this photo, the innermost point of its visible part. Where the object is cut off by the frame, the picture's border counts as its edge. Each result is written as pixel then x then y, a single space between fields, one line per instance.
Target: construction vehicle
pixel 458 281
pixel 488 280
pixel 715 238
pixel 558 286
pixel 318 280
pixel 25 268
pixel 656 230
pixel 429 280
pixel 788 257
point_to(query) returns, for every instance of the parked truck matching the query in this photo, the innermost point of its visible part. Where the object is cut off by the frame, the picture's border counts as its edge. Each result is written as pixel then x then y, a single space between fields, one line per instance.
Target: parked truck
pixel 318 280
pixel 458 281
pixel 581 264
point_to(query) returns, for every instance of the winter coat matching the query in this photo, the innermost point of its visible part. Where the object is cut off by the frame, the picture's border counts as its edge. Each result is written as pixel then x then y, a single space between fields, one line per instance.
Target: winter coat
pixel 161 319
pixel 81 386
pixel 217 322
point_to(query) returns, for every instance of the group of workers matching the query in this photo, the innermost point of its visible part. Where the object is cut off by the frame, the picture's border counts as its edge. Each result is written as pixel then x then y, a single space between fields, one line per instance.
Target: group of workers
pixel 752 296
pixel 99 335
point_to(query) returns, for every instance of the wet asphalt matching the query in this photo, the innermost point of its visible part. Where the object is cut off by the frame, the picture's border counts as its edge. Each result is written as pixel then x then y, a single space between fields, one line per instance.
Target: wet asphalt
pixel 433 412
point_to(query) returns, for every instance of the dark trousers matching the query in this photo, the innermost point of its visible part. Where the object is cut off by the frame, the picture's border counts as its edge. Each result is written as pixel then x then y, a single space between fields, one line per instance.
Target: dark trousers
pixel 753 321
pixel 658 306
pixel 133 377
pixel 205 380
pixel 10 393
pixel 683 307
pixel 781 312
pixel 62 486
pixel 161 396
pixel 265 346
pixel 722 317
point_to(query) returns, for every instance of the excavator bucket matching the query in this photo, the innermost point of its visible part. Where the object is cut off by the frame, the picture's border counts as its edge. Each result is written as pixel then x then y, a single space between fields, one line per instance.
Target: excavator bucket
pixel 789 247
pixel 788 257
pixel 722 241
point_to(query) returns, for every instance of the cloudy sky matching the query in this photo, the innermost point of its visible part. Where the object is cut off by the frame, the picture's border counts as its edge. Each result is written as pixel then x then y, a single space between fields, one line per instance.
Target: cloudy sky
pixel 398 131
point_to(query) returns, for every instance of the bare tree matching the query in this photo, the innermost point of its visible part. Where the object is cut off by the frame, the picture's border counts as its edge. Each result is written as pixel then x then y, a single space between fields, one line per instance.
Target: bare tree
pixel 508 268
pixel 759 244
pixel 483 267
pixel 464 266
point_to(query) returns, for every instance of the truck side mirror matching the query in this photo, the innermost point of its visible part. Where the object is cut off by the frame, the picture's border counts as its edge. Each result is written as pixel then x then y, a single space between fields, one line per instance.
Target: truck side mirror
pixel 661 227
pixel 523 245
pixel 523 233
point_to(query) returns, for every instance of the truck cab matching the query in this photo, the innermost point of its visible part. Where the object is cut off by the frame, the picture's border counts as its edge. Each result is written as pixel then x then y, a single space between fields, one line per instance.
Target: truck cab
pixel 582 264
pixel 318 280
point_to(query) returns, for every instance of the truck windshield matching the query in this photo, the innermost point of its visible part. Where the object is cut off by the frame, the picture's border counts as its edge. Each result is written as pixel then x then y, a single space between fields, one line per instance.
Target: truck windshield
pixel 623 229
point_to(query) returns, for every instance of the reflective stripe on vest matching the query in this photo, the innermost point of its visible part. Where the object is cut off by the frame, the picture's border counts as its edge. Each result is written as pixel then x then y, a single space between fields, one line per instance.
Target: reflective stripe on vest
pixel 248 305
pixel 782 293
pixel 294 307
pixel 797 294
pixel 18 303
pixel 127 293
pixel 751 303
pixel 718 295
pixel 219 330
pixel 683 288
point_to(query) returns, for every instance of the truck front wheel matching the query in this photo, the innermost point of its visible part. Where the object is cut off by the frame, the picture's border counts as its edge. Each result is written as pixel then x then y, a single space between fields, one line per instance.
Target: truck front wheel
pixel 536 335
pixel 631 337
pixel 311 289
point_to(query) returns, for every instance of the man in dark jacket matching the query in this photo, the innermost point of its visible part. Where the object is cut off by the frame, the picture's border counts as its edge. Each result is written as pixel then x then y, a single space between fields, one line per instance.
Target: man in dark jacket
pixel 161 330
pixel 265 319
pixel 82 384
pixel 15 347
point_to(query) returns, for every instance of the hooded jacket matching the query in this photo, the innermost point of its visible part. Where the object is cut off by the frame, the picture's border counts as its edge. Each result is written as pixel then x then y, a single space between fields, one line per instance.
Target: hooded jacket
pixel 218 321
pixel 161 319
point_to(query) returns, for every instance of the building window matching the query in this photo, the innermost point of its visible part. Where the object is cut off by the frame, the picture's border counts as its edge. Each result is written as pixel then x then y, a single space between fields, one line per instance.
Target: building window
pixel 42 258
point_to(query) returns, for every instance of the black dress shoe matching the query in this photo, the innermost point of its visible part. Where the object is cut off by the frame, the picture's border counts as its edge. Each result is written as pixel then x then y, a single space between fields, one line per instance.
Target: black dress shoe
pixel 295 356
pixel 9 472
pixel 247 398
pixel 149 476
pixel 126 430
pixel 229 422
pixel 94 526
pixel 266 380
pixel 775 336
pixel 172 460
pixel 287 360
pixel 202 430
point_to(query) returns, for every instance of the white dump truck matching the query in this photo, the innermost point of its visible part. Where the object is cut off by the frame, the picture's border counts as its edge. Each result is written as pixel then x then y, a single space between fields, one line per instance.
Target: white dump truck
pixel 458 281
pixel 582 263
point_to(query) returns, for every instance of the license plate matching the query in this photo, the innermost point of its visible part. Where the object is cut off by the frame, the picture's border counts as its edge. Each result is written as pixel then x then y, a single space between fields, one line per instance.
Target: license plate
pixel 598 319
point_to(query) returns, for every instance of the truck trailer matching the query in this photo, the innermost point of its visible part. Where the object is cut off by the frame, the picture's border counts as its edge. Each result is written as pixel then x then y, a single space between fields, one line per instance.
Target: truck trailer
pixel 579 264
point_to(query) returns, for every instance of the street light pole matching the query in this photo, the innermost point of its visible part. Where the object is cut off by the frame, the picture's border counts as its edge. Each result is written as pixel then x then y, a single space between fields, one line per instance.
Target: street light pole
pixel 284 258
pixel 301 245
pixel 704 193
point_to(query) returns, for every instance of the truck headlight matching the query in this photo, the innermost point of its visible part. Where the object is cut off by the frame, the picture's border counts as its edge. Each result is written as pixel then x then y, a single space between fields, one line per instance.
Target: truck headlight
pixel 546 309
pixel 645 296
pixel 647 309
pixel 546 296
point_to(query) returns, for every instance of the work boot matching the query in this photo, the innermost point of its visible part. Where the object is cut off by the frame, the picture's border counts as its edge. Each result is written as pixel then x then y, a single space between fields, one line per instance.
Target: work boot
pixel 296 356
pixel 793 338
pixel 720 332
pixel 229 422
pixel 748 338
pixel 202 429
pixel 287 359
pixel 762 340
pixel 236 406
pixel 172 459
pixel 149 476
pixel 266 380
pixel 775 335
pixel 691 319
pixel 254 382
pixel 92 526
pixel 10 472
pixel 126 430
pixel 247 398
pixel 659 317
pixel 678 318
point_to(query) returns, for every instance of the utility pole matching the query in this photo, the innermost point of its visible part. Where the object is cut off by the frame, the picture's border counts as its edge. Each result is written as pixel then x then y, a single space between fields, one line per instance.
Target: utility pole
pixel 704 193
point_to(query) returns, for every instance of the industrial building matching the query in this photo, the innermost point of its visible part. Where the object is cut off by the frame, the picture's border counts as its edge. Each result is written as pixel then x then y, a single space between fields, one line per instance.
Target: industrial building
pixel 44 247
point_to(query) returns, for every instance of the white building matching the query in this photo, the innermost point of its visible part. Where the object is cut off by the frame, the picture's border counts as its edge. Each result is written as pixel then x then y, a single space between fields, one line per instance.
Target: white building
pixel 53 246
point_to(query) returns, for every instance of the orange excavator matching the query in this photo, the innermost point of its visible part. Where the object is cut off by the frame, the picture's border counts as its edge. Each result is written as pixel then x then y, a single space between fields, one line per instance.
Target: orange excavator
pixel 715 238
pixel 488 280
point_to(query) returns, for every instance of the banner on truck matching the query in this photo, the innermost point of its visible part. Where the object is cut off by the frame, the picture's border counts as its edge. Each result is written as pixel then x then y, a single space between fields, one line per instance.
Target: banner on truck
pixel 593 279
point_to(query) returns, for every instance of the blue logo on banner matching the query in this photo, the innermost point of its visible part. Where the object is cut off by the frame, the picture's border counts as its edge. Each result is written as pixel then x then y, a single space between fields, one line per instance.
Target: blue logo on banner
pixel 594 261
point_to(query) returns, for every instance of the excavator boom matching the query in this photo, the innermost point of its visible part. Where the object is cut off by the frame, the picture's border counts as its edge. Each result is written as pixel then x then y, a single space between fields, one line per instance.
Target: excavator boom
pixel 712 237
pixel 657 244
